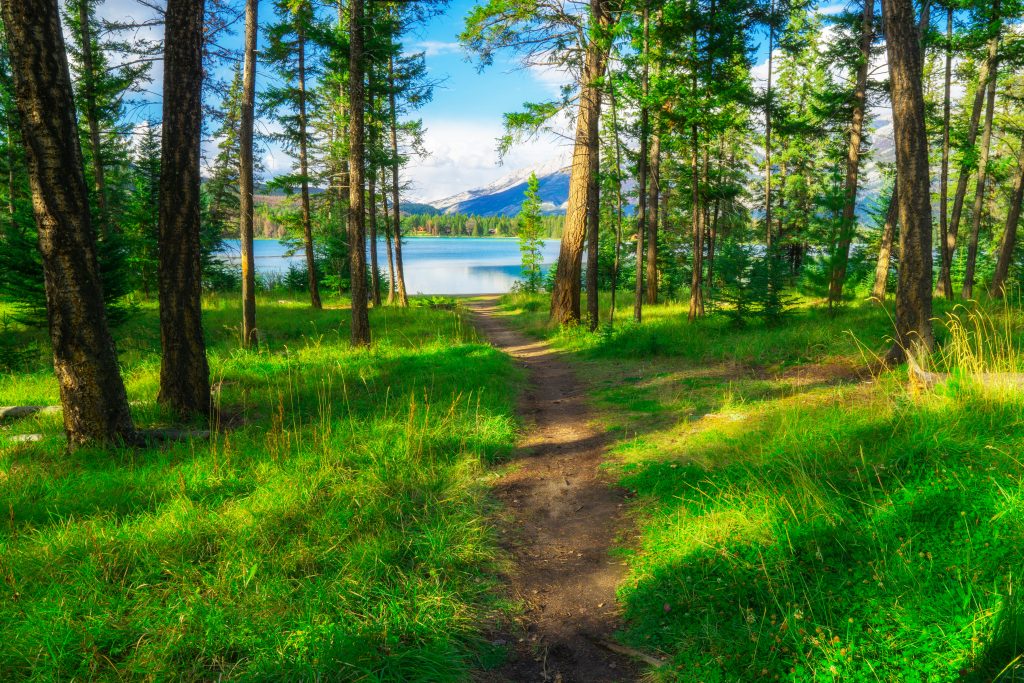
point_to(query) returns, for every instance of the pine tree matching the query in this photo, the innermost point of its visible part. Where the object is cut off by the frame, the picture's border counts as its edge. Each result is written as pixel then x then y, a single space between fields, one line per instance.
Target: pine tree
pixel 141 223
pixel 914 293
pixel 294 53
pixel 530 241
pixel 85 361
pixel 545 34
pixel 222 185
pixel 247 172
pixel 184 369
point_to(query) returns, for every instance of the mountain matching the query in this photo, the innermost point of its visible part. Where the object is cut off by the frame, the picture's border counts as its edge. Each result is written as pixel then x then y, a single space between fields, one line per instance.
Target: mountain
pixel 408 207
pixel 504 197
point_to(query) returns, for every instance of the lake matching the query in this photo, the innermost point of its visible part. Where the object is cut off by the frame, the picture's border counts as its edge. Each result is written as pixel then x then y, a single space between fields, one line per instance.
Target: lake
pixel 433 265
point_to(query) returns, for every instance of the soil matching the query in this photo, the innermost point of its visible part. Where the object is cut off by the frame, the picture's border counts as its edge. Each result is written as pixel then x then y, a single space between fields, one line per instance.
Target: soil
pixel 563 517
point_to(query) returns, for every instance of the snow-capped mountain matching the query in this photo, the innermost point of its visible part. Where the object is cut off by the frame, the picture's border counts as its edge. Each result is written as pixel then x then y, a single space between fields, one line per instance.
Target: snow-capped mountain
pixel 504 197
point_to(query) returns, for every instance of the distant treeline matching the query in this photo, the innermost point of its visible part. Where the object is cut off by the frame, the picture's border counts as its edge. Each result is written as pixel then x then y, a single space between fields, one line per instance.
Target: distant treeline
pixel 274 215
pixel 461 225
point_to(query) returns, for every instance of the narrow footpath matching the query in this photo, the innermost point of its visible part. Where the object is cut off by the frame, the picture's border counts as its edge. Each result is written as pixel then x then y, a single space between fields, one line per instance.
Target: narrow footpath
pixel 564 517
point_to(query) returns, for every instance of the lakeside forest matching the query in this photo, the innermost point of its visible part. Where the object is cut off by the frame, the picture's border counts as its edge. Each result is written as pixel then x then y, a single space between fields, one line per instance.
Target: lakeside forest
pixel 272 215
pixel 768 429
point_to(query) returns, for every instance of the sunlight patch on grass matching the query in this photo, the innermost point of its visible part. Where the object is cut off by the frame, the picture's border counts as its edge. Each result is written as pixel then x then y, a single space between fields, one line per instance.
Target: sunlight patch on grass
pixel 801 520
pixel 339 529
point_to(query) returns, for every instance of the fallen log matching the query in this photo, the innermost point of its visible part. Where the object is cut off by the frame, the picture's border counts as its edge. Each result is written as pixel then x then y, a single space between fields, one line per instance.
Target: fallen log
pixel 618 649
pixel 18 412
pixel 25 438
pixel 144 437
pixel 923 378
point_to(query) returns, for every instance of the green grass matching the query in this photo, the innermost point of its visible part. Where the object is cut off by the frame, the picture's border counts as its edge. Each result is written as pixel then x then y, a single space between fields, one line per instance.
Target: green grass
pixel 798 519
pixel 338 530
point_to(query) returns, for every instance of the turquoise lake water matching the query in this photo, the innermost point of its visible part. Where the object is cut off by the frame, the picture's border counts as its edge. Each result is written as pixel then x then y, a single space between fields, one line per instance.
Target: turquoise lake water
pixel 433 265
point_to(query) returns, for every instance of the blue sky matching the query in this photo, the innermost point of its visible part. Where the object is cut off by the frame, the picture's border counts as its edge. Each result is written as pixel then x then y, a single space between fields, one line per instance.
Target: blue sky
pixel 462 122
pixel 464 119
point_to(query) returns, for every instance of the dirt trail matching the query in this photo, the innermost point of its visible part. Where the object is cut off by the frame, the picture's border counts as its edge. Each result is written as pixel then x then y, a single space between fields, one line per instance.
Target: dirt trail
pixel 565 516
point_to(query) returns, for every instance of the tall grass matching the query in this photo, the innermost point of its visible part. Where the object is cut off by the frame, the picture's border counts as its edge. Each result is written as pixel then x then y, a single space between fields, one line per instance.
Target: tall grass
pixel 801 520
pixel 333 528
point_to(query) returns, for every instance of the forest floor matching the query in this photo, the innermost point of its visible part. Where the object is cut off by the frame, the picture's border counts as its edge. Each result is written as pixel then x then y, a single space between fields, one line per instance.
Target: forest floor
pixel 796 516
pixel 561 518
pixel 339 529
pixel 387 513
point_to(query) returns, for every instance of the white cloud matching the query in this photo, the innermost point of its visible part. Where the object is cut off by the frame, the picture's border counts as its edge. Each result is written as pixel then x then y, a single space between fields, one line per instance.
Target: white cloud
pixel 463 155
pixel 434 48
pixel 832 9
pixel 551 78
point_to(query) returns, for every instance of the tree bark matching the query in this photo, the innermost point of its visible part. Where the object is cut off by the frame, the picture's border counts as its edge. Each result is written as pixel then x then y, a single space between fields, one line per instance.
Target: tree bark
pixel 593 221
pixel 357 176
pixel 307 222
pixel 565 296
pixel 713 228
pixel 246 171
pixel 642 171
pixel 372 192
pixel 387 238
pixel 768 134
pixel 988 71
pixel 1009 240
pixel 653 188
pixel 945 285
pixel 979 191
pixel 84 358
pixel 914 292
pixel 396 224
pixel 848 223
pixel 92 115
pixel 184 372
pixel 618 199
pixel 696 278
pixel 885 248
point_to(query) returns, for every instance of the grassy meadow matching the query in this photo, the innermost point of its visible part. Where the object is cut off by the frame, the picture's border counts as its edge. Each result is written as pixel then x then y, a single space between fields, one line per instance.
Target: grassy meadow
pixel 799 518
pixel 334 527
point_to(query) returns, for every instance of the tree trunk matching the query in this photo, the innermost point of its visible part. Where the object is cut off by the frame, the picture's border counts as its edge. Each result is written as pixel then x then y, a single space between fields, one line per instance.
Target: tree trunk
pixel 92 116
pixel 184 372
pixel 84 358
pixel 848 223
pixel 396 224
pixel 945 285
pixel 387 238
pixel 642 171
pixel 885 248
pixel 565 296
pixel 1009 240
pixel 618 199
pixel 593 221
pixel 987 72
pixel 696 279
pixel 10 173
pixel 374 266
pixel 653 188
pixel 357 176
pixel 713 230
pixel 307 223
pixel 371 179
pixel 914 292
pixel 979 191
pixel 768 134
pixel 245 173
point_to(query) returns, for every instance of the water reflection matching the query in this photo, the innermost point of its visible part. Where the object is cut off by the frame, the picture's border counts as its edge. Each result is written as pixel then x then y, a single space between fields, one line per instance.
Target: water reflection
pixel 433 265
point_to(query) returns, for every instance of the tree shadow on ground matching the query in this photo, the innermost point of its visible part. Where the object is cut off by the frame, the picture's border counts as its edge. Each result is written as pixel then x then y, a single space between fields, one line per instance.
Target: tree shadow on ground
pixel 822 547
